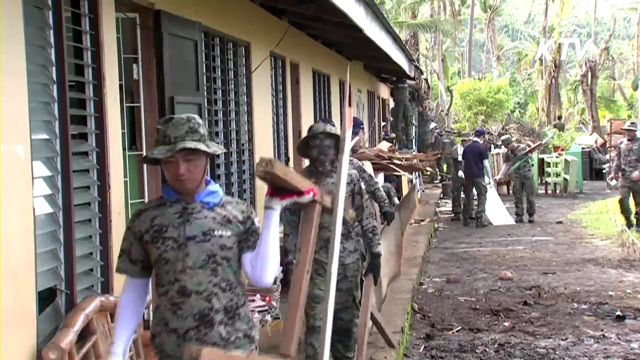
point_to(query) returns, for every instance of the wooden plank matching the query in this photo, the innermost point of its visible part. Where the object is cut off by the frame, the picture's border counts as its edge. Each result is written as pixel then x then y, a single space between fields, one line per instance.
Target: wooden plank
pixel 336 233
pixel 309 223
pixel 378 323
pixel 275 173
pixel 219 354
pixel 366 306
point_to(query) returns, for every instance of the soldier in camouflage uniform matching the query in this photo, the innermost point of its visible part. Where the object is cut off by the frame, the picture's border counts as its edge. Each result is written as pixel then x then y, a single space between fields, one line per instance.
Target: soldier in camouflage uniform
pixel 523 184
pixel 360 235
pixel 373 189
pixel 457 180
pixel 446 162
pixel 197 242
pixel 627 170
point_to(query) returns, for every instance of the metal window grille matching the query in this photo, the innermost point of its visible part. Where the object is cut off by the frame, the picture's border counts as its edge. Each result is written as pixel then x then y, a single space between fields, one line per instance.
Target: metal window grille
pixel 131 112
pixel 371 115
pixel 279 108
pixel 321 96
pixel 228 113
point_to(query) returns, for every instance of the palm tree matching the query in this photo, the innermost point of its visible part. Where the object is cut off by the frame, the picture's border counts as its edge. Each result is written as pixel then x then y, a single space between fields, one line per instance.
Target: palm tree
pixel 470 41
pixel 491 9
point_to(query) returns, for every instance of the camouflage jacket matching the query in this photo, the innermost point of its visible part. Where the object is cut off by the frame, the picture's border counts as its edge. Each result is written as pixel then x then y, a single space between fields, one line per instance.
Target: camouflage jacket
pixel 373 190
pixel 512 157
pixel 448 145
pixel 360 232
pixel 391 193
pixel 628 158
pixel 456 157
pixel 194 253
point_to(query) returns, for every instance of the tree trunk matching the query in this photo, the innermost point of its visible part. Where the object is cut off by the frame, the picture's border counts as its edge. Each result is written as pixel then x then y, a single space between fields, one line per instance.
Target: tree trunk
pixel 638 41
pixel 542 95
pixel 594 32
pixel 442 82
pixel 470 40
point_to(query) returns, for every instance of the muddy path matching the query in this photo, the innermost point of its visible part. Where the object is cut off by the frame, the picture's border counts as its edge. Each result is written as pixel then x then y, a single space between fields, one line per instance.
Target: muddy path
pixel 561 303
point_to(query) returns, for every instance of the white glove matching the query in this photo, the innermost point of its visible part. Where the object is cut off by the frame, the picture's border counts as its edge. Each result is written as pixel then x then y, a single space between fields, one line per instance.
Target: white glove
pixel 113 356
pixel 461 174
pixel 278 198
pixel 635 175
pixel 487 181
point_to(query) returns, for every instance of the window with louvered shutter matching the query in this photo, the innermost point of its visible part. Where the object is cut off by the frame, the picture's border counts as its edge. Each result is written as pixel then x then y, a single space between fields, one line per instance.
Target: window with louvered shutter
pixel 45 155
pixel 82 89
pixel 372 133
pixel 321 96
pixel 279 108
pixel 228 113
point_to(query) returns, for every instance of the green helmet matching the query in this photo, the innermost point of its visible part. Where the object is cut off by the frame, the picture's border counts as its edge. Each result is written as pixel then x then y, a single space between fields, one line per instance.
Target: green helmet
pixel 326 127
pixel 506 140
pixel 179 132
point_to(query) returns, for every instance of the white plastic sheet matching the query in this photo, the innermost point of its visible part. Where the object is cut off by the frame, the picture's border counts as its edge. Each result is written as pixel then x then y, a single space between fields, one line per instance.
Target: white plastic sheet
pixel 495 209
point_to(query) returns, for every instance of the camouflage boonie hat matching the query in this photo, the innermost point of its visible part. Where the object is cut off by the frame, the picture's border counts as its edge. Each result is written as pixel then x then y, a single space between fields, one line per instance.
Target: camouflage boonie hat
pixel 320 127
pixel 506 140
pixel 630 125
pixel 178 132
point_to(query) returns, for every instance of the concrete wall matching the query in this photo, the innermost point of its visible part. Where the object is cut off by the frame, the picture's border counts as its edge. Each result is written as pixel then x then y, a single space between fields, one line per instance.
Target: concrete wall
pixel 247 21
pixel 17 252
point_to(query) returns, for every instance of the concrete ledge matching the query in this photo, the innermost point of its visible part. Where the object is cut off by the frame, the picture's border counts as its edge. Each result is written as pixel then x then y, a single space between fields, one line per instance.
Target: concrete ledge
pixel 397 308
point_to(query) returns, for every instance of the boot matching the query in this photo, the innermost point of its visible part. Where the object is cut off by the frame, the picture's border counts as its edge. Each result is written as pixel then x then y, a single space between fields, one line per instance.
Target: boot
pixel 519 219
pixel 532 219
pixel 466 222
pixel 480 223
pixel 456 217
pixel 629 224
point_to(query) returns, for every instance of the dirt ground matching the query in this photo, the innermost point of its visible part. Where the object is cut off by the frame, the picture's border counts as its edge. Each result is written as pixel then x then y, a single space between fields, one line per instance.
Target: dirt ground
pixel 561 303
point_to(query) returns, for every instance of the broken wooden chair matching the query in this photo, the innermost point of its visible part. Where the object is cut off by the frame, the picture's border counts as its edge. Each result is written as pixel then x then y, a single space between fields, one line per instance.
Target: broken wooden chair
pixel 87 332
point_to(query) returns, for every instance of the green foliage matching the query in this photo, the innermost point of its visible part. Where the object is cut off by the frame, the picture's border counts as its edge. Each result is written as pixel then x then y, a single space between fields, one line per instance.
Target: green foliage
pixel 565 138
pixel 525 94
pixel 481 102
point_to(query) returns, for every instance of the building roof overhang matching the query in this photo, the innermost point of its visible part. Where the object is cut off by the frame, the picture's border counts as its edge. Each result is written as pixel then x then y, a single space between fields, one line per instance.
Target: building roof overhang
pixel 355 29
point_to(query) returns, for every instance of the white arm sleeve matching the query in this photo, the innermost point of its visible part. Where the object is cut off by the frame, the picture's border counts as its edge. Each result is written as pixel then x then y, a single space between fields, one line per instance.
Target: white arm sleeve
pixel 129 314
pixel 263 264
pixel 487 168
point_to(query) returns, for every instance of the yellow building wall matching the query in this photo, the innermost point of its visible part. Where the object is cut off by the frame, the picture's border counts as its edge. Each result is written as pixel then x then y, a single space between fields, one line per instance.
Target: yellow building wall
pixel 17 244
pixel 246 21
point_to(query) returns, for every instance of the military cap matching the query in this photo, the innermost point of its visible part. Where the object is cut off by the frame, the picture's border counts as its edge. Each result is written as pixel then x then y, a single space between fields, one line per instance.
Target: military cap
pixel 630 125
pixel 180 132
pixel 358 125
pixel 321 127
pixel 506 140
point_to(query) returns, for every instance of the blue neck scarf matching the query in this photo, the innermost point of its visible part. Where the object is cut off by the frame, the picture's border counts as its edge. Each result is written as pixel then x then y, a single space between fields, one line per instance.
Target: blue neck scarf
pixel 211 195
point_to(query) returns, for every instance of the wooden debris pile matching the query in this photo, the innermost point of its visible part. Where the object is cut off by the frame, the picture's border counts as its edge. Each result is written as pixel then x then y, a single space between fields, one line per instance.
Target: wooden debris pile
pixel 384 158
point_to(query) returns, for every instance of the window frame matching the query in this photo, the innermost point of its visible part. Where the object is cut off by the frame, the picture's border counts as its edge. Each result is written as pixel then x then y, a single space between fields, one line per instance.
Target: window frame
pixel 223 158
pixel 321 101
pixel 280 120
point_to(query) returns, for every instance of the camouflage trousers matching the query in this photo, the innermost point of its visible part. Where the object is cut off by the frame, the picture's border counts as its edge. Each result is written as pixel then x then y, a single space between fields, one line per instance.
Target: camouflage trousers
pixel 344 337
pixel 481 190
pixel 629 188
pixel 445 167
pixel 457 183
pixel 524 186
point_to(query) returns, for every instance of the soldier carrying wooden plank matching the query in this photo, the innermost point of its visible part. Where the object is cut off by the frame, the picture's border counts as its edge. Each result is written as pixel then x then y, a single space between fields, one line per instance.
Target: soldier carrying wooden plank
pixel 196 241
pixel 321 147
